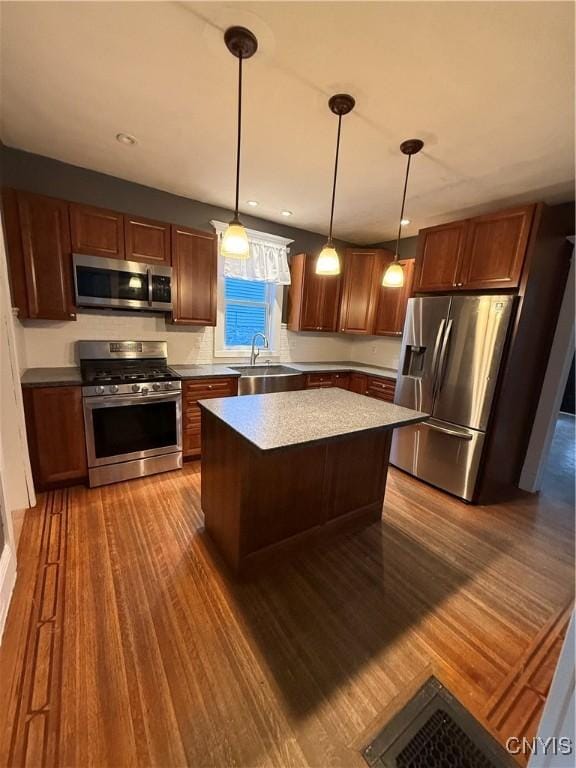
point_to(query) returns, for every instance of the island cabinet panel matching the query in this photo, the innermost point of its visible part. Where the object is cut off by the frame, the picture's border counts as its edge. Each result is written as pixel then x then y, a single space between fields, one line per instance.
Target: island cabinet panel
pixel 46 257
pixel 192 391
pixel 362 277
pixel 96 231
pixel 495 249
pixel 55 429
pixel 147 241
pixel 195 269
pixel 313 300
pixel 392 302
pixel 300 493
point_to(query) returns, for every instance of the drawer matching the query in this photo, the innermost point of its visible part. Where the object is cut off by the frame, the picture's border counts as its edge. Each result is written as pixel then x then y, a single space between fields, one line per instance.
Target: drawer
pixel 319 380
pixel 383 389
pixel 201 389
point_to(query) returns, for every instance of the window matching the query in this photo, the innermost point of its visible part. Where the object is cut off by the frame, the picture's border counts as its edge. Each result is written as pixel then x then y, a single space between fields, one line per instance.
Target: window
pixel 247 310
pixel 250 296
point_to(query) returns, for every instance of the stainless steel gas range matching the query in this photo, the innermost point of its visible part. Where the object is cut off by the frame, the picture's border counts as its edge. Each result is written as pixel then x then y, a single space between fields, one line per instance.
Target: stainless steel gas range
pixel 132 410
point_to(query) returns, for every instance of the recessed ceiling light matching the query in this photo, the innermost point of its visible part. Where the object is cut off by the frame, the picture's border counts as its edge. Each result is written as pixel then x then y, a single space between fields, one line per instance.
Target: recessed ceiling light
pixel 252 203
pixel 126 138
pixel 405 222
pixel 286 213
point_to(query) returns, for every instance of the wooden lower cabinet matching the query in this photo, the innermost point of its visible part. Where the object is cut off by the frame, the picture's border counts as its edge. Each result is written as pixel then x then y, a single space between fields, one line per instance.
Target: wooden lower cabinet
pixel 380 388
pixel 358 383
pixel 324 380
pixel 192 391
pixel 56 438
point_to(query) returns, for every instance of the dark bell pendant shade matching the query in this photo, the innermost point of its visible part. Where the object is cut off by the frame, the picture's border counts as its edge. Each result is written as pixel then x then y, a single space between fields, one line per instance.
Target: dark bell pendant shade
pixel 242 44
pixel 394 274
pixel 328 261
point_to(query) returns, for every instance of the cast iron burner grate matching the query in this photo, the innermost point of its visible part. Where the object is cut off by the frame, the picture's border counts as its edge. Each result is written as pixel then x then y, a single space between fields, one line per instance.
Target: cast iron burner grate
pixel 435 731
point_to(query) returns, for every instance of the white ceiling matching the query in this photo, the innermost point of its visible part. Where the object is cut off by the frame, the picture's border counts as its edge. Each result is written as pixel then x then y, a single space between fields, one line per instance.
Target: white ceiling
pixel 489 86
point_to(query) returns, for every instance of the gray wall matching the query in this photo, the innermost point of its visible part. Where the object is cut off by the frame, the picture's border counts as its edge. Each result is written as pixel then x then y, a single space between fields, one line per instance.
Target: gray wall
pixel 35 173
pixel 406 249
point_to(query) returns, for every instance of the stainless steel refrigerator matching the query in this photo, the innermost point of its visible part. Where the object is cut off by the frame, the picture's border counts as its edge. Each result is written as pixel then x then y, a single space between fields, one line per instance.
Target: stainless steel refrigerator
pixel 452 349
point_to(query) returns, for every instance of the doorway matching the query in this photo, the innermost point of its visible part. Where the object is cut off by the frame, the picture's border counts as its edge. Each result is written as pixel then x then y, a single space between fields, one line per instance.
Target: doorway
pixel 552 444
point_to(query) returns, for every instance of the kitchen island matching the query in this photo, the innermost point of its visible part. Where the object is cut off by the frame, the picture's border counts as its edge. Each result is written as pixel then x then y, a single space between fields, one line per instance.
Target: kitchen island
pixel 285 468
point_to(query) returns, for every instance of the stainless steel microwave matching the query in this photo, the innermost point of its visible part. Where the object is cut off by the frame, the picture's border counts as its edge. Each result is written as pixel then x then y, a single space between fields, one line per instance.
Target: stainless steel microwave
pixel 101 282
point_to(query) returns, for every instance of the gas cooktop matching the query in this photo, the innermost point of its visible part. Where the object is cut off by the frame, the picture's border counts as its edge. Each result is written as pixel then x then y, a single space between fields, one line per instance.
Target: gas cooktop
pixel 122 374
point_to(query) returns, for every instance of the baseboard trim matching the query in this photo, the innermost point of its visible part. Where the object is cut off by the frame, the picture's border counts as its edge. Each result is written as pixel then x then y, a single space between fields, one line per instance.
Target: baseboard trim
pixel 7 582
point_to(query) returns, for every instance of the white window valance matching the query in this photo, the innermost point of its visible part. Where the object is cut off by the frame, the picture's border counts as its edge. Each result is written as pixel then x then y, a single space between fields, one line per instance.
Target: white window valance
pixel 268 261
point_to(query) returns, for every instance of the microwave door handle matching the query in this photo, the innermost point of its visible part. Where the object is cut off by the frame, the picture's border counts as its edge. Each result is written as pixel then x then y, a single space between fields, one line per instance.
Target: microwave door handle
pixel 443 356
pixel 435 356
pixel 149 276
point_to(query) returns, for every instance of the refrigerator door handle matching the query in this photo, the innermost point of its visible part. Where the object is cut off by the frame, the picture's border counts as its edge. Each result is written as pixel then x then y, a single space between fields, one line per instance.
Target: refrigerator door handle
pixel 443 356
pixel 451 432
pixel 435 355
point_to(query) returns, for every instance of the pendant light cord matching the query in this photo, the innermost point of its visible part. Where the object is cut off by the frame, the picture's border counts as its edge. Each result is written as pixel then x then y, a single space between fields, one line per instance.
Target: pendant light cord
pixel 239 135
pixel 334 184
pixel 396 255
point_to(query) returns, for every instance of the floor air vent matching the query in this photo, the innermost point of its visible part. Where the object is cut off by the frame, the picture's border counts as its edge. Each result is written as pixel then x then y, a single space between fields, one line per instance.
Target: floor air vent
pixel 435 731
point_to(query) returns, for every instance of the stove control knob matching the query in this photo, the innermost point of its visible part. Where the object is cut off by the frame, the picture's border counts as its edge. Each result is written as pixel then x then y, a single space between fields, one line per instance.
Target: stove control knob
pixel 156 386
pixel 135 387
pixel 100 389
pixel 169 385
pixel 114 388
pixel 144 390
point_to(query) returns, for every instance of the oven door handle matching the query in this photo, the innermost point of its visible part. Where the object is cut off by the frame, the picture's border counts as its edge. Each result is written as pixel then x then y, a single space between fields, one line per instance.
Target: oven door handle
pixel 118 400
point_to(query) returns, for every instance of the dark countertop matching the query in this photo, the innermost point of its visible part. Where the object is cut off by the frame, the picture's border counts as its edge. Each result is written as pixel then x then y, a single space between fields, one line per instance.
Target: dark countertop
pixel 345 367
pixel 51 377
pixel 283 419
pixel 70 376
pixel 198 371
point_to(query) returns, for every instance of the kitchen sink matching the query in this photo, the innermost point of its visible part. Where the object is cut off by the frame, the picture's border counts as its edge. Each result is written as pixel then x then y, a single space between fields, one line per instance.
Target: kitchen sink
pixel 261 379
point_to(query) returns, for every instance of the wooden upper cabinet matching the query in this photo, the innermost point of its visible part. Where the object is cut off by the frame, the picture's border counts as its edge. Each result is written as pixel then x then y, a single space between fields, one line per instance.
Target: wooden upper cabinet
pixel 195 265
pixel 96 231
pixel 46 259
pixel 495 248
pixel 363 270
pixel 55 427
pixel 474 254
pixel 314 300
pixel 147 240
pixel 391 308
pixel 439 258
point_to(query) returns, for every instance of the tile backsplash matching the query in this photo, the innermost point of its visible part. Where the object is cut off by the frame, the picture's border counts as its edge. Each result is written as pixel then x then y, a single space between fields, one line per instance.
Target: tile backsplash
pixel 44 343
pixel 51 343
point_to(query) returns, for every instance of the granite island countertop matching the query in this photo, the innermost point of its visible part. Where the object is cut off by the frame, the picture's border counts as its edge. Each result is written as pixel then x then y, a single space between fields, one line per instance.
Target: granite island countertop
pixel 283 419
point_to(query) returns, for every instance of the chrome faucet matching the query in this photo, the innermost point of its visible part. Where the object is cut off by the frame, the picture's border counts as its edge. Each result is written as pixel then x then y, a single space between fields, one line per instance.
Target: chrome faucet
pixel 255 351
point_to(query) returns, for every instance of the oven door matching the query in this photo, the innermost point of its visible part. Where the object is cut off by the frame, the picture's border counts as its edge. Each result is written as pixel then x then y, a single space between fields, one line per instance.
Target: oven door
pixel 125 427
pixel 101 282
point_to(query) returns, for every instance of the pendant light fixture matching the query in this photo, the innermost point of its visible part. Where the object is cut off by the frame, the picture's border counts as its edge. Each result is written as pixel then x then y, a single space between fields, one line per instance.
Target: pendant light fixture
pixel 394 275
pixel 328 262
pixel 242 44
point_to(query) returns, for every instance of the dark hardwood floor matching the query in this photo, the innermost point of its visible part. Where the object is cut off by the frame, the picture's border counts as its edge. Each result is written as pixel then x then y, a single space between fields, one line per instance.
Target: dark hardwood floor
pixel 128 644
